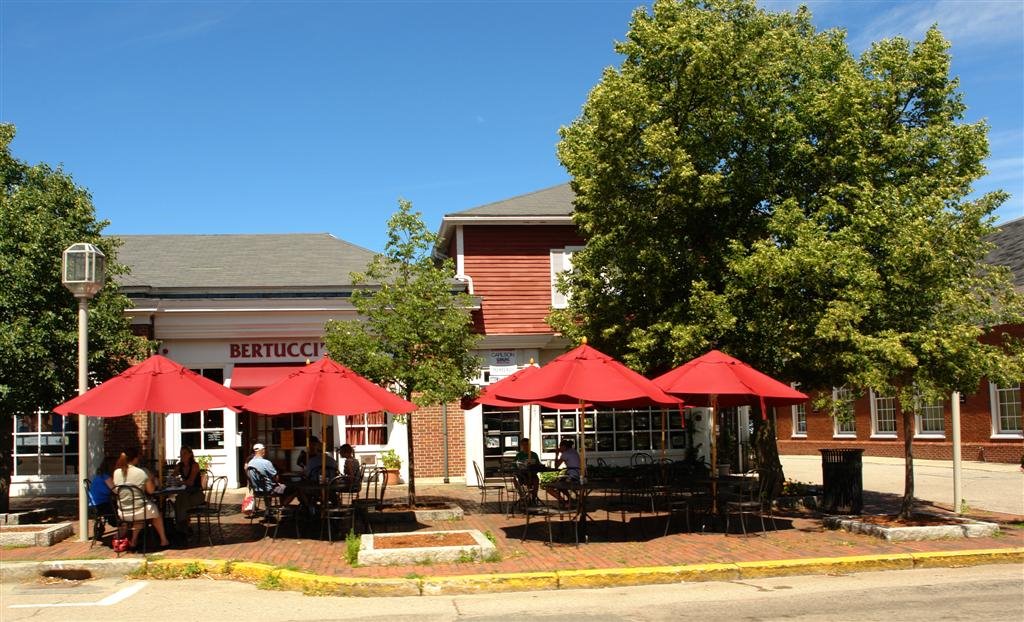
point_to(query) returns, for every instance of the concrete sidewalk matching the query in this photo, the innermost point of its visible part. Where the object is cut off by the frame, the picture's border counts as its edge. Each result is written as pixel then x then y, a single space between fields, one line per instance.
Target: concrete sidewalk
pixel 988 486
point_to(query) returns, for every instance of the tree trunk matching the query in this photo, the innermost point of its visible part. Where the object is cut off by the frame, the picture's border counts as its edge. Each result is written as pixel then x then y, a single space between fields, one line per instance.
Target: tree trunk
pixel 412 461
pixel 766 450
pixel 907 508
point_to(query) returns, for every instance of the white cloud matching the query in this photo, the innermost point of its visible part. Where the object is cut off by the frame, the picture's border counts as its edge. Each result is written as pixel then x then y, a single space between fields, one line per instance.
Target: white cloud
pixel 973 22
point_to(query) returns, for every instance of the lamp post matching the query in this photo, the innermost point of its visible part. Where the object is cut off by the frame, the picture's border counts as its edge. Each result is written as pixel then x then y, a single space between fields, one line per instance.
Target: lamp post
pixel 83 268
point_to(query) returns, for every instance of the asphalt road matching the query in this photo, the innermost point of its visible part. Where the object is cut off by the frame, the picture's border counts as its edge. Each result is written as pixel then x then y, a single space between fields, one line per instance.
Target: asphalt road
pixel 991 486
pixel 991 593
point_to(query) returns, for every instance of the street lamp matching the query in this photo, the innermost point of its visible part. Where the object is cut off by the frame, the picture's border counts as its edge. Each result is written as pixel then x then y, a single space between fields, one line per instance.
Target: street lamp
pixel 83 269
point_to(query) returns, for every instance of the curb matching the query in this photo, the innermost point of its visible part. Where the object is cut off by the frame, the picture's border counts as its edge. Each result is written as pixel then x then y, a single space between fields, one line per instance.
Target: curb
pixel 274 578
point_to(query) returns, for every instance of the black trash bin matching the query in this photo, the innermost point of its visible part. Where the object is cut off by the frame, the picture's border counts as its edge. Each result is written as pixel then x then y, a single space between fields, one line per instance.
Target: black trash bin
pixel 842 480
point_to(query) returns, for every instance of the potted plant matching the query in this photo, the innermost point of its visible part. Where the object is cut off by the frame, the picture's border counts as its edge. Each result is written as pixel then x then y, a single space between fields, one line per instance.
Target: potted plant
pixel 391 462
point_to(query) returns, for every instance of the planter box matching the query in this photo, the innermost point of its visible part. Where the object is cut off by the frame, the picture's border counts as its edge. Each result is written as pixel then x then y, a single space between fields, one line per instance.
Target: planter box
pixel 369 555
pixel 35 535
pixel 22 518
pixel 964 528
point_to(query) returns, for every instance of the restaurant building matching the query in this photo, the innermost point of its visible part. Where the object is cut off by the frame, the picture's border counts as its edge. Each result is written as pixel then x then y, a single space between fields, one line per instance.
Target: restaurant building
pixel 246 309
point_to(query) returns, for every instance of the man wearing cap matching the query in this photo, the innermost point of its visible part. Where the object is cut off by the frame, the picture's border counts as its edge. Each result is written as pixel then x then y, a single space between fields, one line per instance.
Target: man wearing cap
pixel 261 465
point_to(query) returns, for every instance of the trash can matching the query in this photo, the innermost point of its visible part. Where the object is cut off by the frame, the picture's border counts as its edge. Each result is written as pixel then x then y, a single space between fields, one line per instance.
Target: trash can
pixel 842 480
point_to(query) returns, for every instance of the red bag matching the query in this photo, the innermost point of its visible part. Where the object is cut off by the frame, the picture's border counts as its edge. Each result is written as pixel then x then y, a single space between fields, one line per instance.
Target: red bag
pixel 120 545
pixel 248 503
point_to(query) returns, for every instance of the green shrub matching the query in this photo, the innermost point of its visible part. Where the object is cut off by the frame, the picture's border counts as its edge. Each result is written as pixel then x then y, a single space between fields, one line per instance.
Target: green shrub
pixel 352 544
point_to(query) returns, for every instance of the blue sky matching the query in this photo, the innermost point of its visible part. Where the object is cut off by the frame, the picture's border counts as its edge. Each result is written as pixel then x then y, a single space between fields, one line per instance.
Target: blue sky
pixel 260 117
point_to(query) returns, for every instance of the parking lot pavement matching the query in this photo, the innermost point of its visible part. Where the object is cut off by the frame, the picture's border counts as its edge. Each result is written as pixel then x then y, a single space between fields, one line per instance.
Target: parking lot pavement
pixel 989 486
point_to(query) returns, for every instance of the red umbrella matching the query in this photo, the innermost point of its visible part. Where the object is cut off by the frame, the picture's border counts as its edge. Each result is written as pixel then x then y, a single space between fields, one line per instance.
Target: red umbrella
pixel 157 384
pixel 329 388
pixel 586 375
pixel 730 381
pixel 488 395
pixel 718 379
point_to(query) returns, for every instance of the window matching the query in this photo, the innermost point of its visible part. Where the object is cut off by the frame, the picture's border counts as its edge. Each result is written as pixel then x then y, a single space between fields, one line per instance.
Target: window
pixel 45 444
pixel 800 420
pixel 883 415
pixel 844 423
pixel 561 261
pixel 611 430
pixel 1006 419
pixel 204 430
pixel 367 429
pixel 930 418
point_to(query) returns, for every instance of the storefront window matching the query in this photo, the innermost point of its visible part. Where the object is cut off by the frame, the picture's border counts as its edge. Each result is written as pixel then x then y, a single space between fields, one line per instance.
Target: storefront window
pixel 368 429
pixel 204 430
pixel 611 430
pixel 45 444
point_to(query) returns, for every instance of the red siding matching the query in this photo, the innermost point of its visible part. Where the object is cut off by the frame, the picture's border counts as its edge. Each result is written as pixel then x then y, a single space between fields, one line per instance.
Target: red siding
pixel 511 271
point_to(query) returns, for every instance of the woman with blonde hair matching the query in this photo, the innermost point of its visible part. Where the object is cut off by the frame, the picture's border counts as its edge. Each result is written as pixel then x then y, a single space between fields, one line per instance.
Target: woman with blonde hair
pixel 135 509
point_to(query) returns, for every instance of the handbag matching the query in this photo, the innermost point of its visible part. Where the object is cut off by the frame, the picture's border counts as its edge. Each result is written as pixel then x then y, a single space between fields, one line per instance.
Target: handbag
pixel 120 545
pixel 248 503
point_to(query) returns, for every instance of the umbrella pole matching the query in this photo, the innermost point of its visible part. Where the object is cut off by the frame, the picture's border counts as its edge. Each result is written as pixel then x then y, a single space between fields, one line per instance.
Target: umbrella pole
pixel 323 447
pixel 583 446
pixel 663 448
pixel 714 455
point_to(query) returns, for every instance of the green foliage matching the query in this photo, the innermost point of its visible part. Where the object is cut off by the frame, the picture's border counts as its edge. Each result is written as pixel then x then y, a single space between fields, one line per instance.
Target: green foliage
pixel 415 331
pixel 802 209
pixel 270 581
pixel 390 459
pixel 42 212
pixel 352 545
pixel 490 537
pixel 204 461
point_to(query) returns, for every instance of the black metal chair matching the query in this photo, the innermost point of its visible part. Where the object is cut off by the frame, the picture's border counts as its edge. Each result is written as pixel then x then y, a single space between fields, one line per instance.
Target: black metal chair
pixel 536 508
pixel 337 509
pixel 100 519
pixel 371 503
pixel 486 487
pixel 210 508
pixel 750 501
pixel 274 512
pixel 133 512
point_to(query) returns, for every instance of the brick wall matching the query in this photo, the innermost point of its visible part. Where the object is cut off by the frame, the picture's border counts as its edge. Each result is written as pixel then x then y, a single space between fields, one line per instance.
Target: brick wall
pixel 119 433
pixel 976 440
pixel 428 440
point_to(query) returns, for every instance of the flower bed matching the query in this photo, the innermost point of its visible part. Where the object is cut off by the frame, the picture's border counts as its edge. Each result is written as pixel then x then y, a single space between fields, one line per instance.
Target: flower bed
pixel 921 527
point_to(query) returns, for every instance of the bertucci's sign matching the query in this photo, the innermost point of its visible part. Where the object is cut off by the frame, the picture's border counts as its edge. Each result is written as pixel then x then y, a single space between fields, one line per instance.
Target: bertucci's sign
pixel 276 350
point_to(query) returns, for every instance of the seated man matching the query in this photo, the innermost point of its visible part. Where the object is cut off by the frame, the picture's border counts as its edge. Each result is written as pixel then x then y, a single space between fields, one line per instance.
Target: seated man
pixel 266 481
pixel 567 455
pixel 313 468
pixel 527 466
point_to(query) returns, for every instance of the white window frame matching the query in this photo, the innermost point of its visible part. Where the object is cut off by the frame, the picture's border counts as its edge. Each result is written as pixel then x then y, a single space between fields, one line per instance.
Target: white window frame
pixel 875 411
pixel 799 410
pixel 995 397
pixel 202 430
pixel 919 431
pixel 561 261
pixel 350 422
pixel 66 440
pixel 837 431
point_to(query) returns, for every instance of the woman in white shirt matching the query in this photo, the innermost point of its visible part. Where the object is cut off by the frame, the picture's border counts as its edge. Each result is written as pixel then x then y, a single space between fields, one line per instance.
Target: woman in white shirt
pixel 127 471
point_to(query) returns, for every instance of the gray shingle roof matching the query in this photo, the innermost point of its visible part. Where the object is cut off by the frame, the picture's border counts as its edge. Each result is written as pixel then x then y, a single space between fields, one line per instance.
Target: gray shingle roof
pixel 554 201
pixel 1009 250
pixel 280 261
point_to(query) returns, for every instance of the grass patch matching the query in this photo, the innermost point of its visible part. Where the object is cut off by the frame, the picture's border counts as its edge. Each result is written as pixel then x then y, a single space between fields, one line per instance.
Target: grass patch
pixel 466 557
pixel 352 544
pixel 270 581
pixel 493 557
pixel 190 570
pixel 490 537
pixel 413 575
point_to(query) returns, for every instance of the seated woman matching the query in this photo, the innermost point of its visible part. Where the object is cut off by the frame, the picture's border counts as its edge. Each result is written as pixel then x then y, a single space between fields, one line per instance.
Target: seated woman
pixel 100 486
pixel 528 465
pixel 349 467
pixel 127 472
pixel 567 455
pixel 188 470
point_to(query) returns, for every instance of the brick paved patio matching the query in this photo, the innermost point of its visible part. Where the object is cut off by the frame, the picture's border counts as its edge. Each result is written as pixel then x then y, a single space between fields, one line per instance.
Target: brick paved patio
pixel 614 544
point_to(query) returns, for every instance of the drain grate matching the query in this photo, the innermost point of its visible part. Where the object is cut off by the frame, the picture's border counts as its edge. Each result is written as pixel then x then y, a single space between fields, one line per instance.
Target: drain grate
pixel 68 574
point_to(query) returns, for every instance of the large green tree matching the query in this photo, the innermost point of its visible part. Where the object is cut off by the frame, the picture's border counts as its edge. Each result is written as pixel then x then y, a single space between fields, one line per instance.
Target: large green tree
pixel 744 182
pixel 42 212
pixel 415 331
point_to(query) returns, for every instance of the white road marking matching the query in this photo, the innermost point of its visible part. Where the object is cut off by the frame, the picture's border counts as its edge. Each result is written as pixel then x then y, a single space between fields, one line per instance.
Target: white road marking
pixel 113 599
